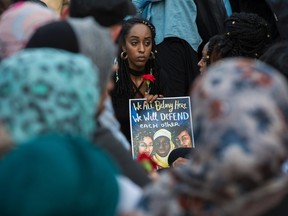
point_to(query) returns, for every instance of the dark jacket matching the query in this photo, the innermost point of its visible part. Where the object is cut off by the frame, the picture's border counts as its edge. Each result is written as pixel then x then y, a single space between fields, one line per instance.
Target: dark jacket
pixel 279 8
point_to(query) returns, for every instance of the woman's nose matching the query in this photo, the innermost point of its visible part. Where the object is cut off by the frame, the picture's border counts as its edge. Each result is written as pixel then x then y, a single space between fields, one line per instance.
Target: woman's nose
pixel 141 48
pixel 200 63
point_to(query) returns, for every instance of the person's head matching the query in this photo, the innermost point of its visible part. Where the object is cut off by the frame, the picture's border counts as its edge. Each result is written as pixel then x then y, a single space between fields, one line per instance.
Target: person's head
pixel 240 127
pixel 214 50
pixel 80 35
pixel 247 35
pixel 137 53
pixel 162 142
pixel 143 143
pixel 240 116
pixel 217 48
pixel 136 42
pixel 184 136
pixel 277 57
pixel 203 61
pixel 19 22
pixel 106 12
pixel 43 90
pixel 58 175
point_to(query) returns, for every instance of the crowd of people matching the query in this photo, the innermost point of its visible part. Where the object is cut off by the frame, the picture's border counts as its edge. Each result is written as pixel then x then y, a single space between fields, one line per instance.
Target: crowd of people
pixel 68 70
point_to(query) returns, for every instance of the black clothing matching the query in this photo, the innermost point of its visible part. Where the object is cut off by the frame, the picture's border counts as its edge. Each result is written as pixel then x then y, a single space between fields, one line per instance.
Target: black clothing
pixel 120 102
pixel 178 66
pixel 211 15
pixel 280 210
pixel 259 7
pixel 279 8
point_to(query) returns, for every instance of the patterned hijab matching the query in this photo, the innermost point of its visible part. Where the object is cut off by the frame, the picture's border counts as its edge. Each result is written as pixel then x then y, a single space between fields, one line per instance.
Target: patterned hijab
pixel 240 120
pixel 58 175
pixel 44 90
pixel 19 22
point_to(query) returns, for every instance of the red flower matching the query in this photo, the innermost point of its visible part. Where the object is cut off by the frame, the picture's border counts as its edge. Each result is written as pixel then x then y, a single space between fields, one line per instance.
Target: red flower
pixel 147 162
pixel 148 78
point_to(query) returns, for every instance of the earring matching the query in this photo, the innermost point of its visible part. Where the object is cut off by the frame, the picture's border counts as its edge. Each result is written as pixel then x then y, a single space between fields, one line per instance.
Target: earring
pixel 152 55
pixel 124 55
pixel 117 76
pixel 116 66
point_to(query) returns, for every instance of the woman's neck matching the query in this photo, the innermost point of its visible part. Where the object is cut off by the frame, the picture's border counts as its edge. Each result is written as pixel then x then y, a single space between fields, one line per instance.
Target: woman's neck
pixel 136 73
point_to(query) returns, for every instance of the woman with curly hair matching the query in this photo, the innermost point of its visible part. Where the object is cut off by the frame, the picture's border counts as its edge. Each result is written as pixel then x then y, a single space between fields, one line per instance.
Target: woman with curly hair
pixel 143 143
pixel 137 57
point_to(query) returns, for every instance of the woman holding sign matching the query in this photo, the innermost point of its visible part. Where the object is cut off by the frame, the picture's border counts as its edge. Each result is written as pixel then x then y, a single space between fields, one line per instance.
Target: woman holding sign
pixel 136 76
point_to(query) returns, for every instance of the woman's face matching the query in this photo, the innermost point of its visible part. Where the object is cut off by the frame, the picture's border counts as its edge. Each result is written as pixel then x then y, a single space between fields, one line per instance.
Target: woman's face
pixel 203 62
pixel 138 45
pixel 146 146
pixel 185 139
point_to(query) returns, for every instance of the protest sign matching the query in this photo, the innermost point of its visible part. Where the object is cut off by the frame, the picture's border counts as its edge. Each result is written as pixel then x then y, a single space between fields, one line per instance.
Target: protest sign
pixel 159 127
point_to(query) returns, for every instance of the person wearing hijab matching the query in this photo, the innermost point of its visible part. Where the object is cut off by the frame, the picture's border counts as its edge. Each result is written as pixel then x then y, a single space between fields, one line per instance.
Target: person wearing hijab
pixel 240 115
pixel 84 35
pixel 79 35
pixel 162 145
pixel 18 23
pixel 55 174
pixel 49 90
pixel 45 90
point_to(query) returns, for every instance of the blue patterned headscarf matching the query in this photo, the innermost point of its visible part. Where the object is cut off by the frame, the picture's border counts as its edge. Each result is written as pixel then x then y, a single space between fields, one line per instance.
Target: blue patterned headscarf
pixel 44 90
pixel 240 120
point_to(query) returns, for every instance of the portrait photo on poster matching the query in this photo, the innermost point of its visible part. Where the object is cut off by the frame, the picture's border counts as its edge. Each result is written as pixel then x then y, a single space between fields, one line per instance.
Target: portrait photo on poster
pixel 158 128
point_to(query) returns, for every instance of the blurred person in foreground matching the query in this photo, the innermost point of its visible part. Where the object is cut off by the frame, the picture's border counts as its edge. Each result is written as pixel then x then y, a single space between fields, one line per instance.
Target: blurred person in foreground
pixel 55 174
pixel 240 116
pixel 19 22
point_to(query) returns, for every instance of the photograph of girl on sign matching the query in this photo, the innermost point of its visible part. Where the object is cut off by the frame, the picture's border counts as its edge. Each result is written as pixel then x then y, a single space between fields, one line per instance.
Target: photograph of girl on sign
pixel 143 143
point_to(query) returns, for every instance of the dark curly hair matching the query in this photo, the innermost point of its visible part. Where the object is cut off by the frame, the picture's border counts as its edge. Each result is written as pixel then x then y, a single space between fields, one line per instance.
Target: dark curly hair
pixel 139 137
pixel 216 48
pixel 247 34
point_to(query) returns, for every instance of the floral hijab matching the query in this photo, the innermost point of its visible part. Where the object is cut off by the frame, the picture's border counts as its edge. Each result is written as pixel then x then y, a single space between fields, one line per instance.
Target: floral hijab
pixel 240 120
pixel 44 90
pixel 18 23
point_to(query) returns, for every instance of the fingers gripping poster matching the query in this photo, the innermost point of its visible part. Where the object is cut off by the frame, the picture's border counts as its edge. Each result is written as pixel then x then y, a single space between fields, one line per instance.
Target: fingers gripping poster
pixel 159 127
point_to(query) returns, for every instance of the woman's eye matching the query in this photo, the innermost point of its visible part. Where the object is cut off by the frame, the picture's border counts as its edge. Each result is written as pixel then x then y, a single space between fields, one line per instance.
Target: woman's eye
pixel 133 43
pixel 147 43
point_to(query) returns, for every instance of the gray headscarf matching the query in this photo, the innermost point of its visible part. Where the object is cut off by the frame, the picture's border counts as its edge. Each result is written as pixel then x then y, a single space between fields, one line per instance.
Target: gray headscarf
pixel 95 42
pixel 79 35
